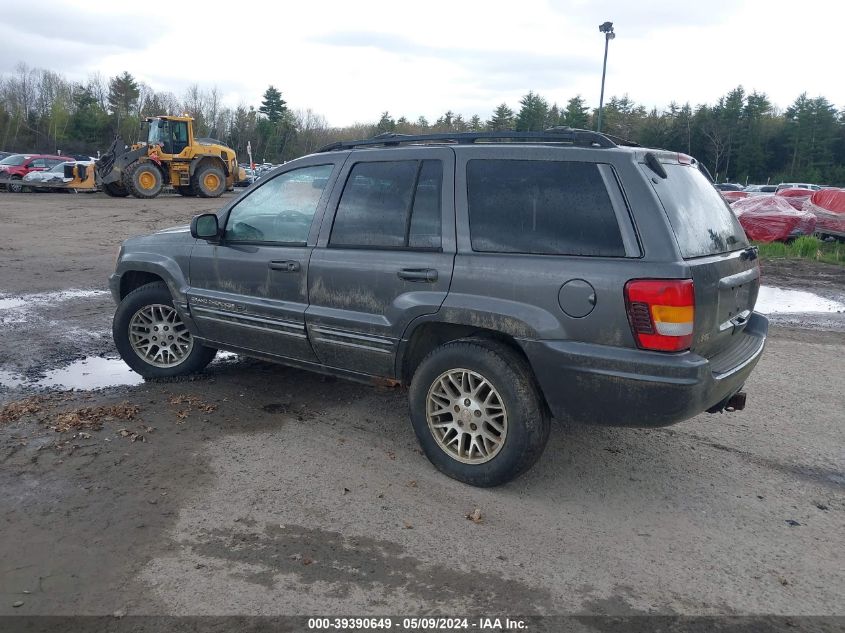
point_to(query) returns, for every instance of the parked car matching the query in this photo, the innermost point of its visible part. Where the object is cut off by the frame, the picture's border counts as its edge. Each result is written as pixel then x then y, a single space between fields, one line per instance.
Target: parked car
pixel 729 186
pixel 5 155
pixel 797 185
pixel 760 190
pixel 796 196
pixel 249 178
pixel 563 276
pixel 733 196
pixel 772 218
pixel 53 176
pixel 13 168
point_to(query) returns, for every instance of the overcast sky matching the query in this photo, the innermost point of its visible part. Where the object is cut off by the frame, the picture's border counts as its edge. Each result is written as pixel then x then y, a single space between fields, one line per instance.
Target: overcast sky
pixel 351 60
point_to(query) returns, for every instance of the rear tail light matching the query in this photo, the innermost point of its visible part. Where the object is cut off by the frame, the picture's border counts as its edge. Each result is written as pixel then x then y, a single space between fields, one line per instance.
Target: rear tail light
pixel 661 313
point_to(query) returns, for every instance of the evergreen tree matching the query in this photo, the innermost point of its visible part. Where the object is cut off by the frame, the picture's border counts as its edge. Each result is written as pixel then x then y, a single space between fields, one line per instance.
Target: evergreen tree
pixel 576 114
pixel 123 94
pixel 385 124
pixel 533 113
pixel 273 106
pixel 503 119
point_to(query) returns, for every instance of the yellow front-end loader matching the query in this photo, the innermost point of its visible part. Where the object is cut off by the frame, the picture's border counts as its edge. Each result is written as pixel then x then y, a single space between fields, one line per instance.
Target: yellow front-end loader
pixel 172 156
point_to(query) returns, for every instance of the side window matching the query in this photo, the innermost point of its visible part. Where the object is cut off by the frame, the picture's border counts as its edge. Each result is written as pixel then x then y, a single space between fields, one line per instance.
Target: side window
pixel 280 210
pixel 38 163
pixel 541 207
pixel 390 205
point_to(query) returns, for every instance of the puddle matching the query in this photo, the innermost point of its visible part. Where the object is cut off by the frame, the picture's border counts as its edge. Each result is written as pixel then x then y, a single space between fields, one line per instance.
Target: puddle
pixel 19 308
pixel 93 372
pixel 14 302
pixel 777 300
pixel 8 379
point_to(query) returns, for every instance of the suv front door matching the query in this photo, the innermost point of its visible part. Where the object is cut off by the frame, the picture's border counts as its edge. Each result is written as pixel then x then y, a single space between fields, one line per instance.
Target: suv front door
pixel 250 290
pixel 384 257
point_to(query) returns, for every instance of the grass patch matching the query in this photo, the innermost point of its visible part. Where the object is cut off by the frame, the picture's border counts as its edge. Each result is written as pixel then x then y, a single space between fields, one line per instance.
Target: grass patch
pixel 804 247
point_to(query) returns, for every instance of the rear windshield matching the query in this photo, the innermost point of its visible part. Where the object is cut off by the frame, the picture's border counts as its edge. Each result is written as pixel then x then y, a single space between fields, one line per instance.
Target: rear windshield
pixel 702 221
pixel 14 160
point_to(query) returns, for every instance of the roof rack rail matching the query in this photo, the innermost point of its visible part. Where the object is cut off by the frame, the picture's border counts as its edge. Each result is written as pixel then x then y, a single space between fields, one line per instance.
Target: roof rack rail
pixel 568 135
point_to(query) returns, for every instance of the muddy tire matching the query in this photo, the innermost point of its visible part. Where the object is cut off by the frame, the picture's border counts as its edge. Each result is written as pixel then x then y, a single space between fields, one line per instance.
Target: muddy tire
pixel 151 337
pixel 209 181
pixel 477 412
pixel 143 180
pixel 188 191
pixel 115 190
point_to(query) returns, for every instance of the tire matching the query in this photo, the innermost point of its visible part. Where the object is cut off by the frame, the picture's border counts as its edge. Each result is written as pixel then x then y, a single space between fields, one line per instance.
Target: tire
pixel 209 181
pixel 523 431
pixel 188 191
pixel 143 180
pixel 115 190
pixel 135 311
pixel 15 185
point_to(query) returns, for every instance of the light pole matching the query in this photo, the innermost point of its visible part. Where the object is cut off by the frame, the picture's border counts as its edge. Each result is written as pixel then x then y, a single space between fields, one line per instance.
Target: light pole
pixel 607 29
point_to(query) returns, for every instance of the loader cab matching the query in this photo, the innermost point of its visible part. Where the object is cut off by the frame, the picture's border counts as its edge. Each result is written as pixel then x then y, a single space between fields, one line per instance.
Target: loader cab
pixel 172 135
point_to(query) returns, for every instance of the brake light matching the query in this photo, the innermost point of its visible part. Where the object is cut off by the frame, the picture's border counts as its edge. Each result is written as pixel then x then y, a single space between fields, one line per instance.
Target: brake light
pixel 683 159
pixel 661 313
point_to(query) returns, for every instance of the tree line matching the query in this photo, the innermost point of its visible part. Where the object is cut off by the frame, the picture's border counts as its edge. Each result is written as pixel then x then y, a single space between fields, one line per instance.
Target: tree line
pixel 742 137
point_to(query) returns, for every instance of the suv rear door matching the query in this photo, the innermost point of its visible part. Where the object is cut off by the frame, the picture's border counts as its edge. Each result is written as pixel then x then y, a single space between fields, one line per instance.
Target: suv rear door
pixel 724 270
pixel 384 257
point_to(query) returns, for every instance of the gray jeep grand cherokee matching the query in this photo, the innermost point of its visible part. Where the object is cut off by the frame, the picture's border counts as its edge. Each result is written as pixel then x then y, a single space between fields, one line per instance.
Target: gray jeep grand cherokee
pixel 504 277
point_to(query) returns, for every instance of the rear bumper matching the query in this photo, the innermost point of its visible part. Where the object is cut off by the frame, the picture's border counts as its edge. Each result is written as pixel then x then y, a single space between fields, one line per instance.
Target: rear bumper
pixel 613 386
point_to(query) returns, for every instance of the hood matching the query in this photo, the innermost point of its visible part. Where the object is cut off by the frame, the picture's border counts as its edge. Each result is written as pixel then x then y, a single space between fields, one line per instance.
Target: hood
pixel 182 228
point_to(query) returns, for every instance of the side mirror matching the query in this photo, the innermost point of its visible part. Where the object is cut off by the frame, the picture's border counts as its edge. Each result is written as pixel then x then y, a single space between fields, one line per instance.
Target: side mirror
pixel 205 227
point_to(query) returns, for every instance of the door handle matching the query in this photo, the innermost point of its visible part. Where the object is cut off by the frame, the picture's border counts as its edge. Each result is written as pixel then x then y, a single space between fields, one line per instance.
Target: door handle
pixel 285 265
pixel 428 275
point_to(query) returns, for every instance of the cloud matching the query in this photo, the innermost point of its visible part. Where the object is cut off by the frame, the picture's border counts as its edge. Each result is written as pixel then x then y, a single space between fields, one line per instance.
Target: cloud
pixel 60 24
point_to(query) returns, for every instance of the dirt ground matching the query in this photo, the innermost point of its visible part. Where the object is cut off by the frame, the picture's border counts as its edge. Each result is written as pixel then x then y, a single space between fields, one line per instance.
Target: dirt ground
pixel 257 489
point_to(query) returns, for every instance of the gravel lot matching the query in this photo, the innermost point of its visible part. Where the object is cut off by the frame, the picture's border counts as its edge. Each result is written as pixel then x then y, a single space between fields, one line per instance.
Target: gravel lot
pixel 258 489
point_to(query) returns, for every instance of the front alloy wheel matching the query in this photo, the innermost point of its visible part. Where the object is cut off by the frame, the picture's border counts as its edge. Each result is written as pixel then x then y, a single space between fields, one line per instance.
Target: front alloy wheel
pixel 152 338
pixel 159 337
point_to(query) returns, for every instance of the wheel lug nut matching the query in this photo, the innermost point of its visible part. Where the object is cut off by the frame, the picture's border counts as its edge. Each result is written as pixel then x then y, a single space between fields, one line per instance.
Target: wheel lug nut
pixel 467 402
pixel 473 427
pixel 457 408
pixel 477 413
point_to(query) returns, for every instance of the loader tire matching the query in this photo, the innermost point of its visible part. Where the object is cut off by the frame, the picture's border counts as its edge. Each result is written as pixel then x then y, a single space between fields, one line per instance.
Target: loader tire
pixel 209 181
pixel 143 180
pixel 115 190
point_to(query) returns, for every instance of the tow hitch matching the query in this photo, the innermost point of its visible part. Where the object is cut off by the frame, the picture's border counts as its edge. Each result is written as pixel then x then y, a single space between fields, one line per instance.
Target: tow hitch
pixel 736 402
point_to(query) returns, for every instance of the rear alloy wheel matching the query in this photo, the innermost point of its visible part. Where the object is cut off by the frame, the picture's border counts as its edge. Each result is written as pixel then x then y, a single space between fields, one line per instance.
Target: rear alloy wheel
pixel 210 181
pixel 143 180
pixel 152 338
pixel 477 411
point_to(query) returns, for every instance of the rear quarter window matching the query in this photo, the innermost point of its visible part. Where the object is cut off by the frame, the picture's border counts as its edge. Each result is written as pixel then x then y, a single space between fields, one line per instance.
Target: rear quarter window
pixel 541 207
pixel 702 221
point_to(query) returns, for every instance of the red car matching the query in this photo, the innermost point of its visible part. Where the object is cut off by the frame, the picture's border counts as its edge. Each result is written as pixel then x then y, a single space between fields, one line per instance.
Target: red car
pixel 772 218
pixel 13 168
pixel 795 196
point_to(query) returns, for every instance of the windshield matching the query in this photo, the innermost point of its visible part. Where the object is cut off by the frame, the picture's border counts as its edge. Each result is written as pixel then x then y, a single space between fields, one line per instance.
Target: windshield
pixel 60 168
pixel 156 134
pixel 14 159
pixel 702 221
